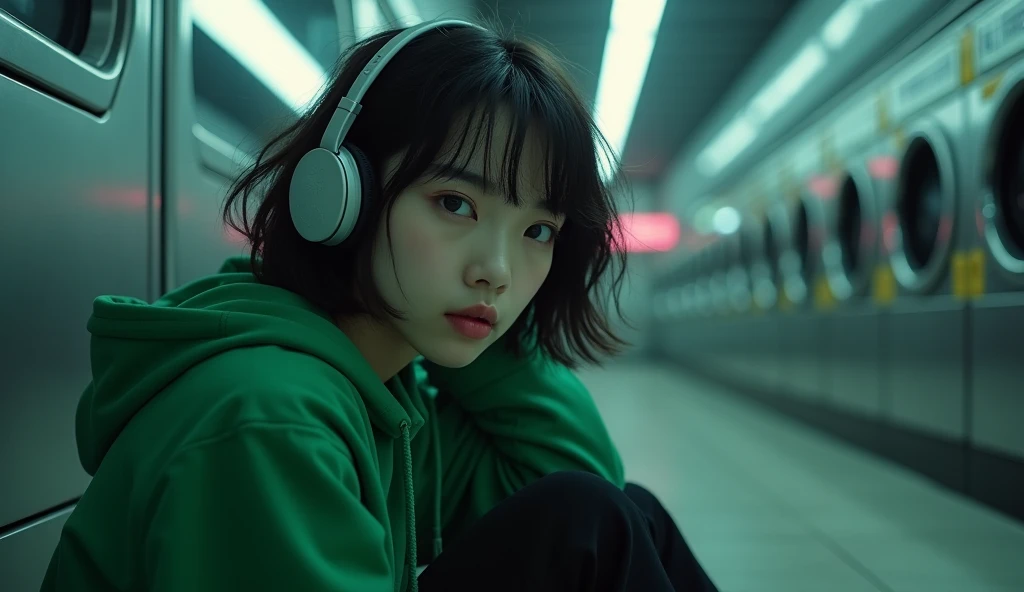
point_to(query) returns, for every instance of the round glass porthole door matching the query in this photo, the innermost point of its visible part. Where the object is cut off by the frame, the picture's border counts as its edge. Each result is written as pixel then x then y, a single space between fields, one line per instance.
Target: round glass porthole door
pixel 1004 206
pixel 771 250
pixel 802 240
pixel 848 252
pixel 925 207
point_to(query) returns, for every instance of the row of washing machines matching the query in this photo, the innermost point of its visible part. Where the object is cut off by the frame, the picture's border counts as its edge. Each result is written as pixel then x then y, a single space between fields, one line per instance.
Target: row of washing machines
pixel 879 266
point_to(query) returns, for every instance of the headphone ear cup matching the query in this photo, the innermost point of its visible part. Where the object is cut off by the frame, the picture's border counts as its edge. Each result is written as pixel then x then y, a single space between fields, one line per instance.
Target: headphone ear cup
pixel 329 193
pixel 320 196
pixel 367 182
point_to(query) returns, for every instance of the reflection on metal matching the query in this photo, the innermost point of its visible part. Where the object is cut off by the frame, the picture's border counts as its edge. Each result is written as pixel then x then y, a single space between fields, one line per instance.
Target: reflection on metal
pixel 883 168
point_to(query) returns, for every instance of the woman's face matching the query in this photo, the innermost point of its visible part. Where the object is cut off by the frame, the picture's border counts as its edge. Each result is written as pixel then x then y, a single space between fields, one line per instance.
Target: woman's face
pixel 457 244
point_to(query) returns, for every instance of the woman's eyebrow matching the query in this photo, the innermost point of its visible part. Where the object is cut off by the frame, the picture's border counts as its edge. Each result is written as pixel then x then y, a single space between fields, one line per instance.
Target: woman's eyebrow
pixel 439 171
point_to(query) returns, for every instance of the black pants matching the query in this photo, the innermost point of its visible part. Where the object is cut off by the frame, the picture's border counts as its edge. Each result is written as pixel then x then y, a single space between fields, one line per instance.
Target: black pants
pixel 571 531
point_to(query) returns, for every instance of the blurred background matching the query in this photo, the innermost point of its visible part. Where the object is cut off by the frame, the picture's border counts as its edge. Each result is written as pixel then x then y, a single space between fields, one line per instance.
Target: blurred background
pixel 825 228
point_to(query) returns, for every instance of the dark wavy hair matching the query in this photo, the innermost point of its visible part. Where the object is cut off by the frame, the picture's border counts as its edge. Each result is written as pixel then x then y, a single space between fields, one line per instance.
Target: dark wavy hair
pixel 413 108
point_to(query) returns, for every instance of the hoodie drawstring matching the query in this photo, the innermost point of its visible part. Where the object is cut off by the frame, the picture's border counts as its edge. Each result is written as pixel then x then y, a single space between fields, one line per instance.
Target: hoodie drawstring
pixel 436 447
pixel 410 510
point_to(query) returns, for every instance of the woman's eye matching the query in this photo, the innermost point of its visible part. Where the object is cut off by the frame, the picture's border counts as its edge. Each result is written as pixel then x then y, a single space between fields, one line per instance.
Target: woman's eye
pixel 456 205
pixel 541 233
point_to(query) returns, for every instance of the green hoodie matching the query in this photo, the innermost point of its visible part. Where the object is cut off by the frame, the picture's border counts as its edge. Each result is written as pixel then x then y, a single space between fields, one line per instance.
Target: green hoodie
pixel 239 441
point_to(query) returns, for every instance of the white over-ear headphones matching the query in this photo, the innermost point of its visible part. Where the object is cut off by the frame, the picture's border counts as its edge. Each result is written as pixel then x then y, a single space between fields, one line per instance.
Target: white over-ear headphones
pixel 331 183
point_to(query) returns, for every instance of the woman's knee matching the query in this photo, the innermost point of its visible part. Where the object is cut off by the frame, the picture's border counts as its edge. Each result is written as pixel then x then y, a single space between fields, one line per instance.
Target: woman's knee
pixel 580 493
pixel 641 496
pixel 647 502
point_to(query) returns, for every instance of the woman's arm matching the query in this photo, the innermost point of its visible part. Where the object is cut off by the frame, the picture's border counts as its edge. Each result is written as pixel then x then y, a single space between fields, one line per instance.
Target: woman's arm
pixel 265 507
pixel 506 421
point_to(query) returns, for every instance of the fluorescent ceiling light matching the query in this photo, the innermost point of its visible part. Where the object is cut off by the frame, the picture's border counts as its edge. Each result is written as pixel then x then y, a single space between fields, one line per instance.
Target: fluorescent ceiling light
pixel 367 17
pixel 841 25
pixel 772 98
pixel 733 140
pixel 639 16
pixel 627 53
pixel 248 31
pixel 811 59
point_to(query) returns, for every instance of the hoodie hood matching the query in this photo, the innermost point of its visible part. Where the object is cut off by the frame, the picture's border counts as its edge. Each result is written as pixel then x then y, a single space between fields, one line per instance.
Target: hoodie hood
pixel 138 349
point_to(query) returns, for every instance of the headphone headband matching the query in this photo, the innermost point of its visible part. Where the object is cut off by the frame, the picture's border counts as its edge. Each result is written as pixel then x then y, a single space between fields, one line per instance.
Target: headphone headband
pixel 331 184
pixel 349 106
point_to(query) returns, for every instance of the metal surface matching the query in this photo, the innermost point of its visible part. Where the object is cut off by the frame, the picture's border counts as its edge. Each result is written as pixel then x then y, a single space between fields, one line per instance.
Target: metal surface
pixel 26 551
pixel 79 194
pixel 856 351
pixel 113 186
pixel 997 302
pixel 88 80
pixel 925 329
pixel 86 226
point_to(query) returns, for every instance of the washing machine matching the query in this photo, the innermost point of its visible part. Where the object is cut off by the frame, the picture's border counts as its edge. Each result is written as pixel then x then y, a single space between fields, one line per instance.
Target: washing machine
pixel 716 270
pixel 802 328
pixel 689 348
pixel 758 339
pixel 713 329
pixel 702 297
pixel 852 220
pixel 738 278
pixel 758 259
pixel 672 308
pixel 730 338
pixel 925 331
pixel 775 230
pixel 993 258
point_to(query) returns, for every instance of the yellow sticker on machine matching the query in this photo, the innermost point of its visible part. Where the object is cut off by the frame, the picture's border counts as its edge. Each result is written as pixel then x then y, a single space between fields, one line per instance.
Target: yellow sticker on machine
pixel 988 90
pixel 967 69
pixel 823 297
pixel 959 274
pixel 883 115
pixel 976 272
pixel 899 139
pixel 785 304
pixel 883 288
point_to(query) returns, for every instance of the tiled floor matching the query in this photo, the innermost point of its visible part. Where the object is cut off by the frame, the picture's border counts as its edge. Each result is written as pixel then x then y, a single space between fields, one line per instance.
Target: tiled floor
pixel 769 504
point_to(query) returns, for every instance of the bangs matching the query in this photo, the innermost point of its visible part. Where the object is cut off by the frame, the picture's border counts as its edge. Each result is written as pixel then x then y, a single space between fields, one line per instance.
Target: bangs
pixel 543 139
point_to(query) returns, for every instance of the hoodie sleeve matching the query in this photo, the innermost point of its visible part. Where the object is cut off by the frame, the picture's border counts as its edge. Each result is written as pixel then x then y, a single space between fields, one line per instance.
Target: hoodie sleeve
pixel 265 507
pixel 503 422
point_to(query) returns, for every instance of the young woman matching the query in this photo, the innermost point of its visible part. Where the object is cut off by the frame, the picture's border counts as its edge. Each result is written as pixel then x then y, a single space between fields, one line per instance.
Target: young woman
pixel 390 369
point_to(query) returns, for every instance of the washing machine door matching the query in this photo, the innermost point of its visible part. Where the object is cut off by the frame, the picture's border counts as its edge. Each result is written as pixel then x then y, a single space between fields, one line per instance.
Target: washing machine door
pixel 925 206
pixel 849 252
pixel 800 265
pixel 1003 207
